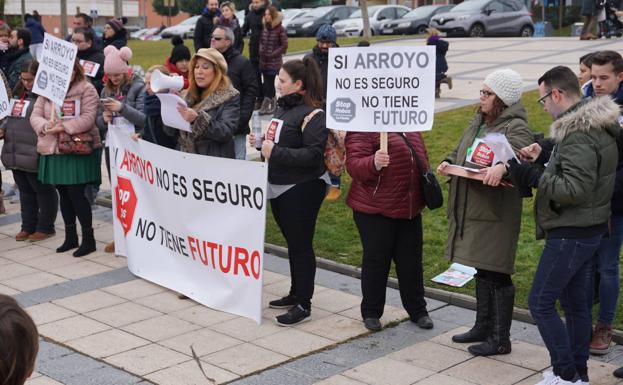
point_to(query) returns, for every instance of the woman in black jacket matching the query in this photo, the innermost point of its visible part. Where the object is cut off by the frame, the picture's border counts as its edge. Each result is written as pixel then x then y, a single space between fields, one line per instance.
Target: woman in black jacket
pixel 115 33
pixel 213 107
pixel 297 177
pixel 39 201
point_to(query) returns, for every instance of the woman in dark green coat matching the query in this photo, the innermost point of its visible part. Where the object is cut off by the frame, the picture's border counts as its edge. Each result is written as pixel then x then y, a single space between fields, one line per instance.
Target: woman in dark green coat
pixel 485 217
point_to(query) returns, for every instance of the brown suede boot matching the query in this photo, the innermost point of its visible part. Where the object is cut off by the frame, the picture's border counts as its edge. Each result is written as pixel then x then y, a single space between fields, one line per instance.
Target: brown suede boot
pixel 602 337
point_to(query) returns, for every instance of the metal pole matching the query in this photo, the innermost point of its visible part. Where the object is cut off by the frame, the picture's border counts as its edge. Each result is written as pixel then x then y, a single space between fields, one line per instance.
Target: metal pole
pixel 118 9
pixel 63 18
pixel 23 10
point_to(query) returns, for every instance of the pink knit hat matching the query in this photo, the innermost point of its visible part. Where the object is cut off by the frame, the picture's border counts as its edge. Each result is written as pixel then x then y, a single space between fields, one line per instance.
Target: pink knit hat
pixel 116 60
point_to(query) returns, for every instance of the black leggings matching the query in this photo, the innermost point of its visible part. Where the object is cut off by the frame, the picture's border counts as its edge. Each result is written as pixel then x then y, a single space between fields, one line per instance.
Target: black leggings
pixel 74 204
pixel 296 211
pixel 498 279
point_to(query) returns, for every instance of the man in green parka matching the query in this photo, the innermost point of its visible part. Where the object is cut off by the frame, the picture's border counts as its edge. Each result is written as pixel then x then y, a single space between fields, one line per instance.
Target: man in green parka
pixel 574 185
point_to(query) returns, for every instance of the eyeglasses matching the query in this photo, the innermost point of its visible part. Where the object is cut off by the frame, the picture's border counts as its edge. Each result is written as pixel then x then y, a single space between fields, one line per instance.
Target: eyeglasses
pixel 486 94
pixel 27 80
pixel 217 38
pixel 76 42
pixel 542 100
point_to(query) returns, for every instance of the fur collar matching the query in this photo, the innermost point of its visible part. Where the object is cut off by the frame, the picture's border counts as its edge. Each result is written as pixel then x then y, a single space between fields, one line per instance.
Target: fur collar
pixel 276 21
pixel 592 114
pixel 217 98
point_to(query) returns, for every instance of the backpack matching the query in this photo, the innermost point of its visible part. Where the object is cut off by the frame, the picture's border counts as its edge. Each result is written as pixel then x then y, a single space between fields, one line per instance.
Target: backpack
pixel 335 150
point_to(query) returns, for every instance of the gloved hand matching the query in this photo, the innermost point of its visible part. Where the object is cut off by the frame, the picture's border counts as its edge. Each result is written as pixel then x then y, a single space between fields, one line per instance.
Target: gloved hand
pixel 525 176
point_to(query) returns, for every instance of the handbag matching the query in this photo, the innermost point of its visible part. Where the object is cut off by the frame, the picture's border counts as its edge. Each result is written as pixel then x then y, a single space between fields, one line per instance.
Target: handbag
pixel 78 144
pixel 431 190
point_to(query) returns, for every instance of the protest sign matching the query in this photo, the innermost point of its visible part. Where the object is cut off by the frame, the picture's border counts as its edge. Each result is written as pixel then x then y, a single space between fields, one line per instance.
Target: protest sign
pixel 55 69
pixel 192 223
pixel 5 103
pixel 387 89
pixel 90 68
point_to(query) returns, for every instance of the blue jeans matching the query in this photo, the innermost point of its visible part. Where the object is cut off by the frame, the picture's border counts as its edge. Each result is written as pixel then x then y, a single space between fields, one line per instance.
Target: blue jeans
pixel 240 146
pixel 562 275
pixel 607 264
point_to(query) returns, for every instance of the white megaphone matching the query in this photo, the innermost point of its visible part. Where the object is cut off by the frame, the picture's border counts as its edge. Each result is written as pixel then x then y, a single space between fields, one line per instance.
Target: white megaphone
pixel 160 82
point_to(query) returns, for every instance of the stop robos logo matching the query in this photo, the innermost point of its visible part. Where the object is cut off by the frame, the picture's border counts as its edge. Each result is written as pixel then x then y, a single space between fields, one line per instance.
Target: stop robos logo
pixel 343 110
pixel 126 201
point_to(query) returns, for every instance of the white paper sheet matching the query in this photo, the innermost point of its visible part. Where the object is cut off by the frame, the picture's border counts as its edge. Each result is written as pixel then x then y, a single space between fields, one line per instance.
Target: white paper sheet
pixel 170 115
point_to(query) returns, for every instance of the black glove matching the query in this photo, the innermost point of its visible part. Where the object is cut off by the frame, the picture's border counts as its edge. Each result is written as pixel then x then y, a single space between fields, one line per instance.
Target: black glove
pixel 525 176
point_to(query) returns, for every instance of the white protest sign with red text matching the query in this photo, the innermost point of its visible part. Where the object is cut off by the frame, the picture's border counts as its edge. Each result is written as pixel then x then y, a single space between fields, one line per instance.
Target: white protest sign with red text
pixel 192 223
pixel 381 88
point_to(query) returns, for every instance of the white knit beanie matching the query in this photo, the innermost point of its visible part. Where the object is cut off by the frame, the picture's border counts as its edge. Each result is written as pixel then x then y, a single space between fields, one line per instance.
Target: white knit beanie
pixel 506 84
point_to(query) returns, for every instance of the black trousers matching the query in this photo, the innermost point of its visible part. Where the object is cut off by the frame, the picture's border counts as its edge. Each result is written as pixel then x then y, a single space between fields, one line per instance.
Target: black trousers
pixel 74 204
pixel 38 201
pixel 385 239
pixel 269 85
pixel 258 75
pixel 295 212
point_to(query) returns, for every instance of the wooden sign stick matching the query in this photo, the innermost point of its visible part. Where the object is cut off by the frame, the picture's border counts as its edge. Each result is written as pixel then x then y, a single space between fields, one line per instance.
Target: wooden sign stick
pixel 384 141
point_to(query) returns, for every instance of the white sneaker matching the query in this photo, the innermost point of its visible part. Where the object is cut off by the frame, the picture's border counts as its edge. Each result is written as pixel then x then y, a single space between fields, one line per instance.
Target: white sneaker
pixel 548 376
pixel 559 381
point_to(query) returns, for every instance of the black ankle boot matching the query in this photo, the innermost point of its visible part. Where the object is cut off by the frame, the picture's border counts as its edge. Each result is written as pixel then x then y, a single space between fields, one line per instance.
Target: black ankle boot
pixel 498 342
pixel 482 327
pixel 71 239
pixel 88 243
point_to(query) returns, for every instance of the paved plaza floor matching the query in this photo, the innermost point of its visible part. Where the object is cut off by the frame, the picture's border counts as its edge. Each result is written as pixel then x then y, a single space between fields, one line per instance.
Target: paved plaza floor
pixel 101 325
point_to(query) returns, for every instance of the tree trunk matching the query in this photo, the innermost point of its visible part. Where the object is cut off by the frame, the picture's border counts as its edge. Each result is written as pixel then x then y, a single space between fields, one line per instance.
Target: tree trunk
pixel 366 20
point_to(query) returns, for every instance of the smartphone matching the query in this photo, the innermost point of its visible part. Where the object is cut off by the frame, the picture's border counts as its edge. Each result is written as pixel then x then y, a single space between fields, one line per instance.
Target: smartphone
pixel 106 100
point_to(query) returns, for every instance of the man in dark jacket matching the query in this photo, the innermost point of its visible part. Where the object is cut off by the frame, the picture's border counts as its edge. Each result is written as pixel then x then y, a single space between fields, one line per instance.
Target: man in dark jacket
pixel 82 20
pixel 572 209
pixel 607 80
pixel 36 32
pixel 18 54
pixel 240 71
pixel 254 22
pixel 326 38
pixel 92 59
pixel 205 25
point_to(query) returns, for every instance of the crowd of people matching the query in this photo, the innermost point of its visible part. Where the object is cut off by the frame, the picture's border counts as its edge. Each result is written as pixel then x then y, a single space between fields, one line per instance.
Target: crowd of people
pixel 577 172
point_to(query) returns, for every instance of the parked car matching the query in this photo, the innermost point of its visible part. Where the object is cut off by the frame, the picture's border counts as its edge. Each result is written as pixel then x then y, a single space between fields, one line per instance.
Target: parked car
pixel 378 14
pixel 132 29
pixel 478 18
pixel 291 14
pixel 415 22
pixel 185 29
pixel 308 24
pixel 151 34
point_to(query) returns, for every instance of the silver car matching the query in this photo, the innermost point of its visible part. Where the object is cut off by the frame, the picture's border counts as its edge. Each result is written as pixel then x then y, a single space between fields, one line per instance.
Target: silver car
pixel 478 18
pixel 378 14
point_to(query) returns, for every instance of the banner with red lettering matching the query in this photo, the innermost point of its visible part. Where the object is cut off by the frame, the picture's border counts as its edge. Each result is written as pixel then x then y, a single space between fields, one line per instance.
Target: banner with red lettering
pixel 192 223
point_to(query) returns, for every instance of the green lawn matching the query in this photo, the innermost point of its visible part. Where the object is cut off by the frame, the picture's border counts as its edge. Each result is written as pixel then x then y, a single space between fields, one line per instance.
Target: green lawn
pixel 148 53
pixel 337 237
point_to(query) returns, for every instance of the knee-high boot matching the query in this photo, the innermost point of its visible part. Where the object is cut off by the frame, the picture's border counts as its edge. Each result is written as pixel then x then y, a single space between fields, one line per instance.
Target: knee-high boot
pixel 482 327
pixel 498 342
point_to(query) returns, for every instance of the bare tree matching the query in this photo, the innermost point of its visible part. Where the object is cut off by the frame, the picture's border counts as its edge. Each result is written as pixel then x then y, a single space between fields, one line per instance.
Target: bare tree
pixel 363 4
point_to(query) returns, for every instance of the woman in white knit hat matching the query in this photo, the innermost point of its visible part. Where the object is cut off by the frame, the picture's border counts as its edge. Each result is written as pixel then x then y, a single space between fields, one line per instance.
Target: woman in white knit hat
pixel 484 216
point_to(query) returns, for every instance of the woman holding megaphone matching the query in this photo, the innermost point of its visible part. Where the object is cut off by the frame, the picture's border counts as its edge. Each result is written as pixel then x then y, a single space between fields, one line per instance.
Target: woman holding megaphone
pixel 213 107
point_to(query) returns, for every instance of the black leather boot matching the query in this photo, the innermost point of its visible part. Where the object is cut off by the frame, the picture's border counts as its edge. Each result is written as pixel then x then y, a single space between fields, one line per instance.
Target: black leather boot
pixel 498 342
pixel 71 239
pixel 482 327
pixel 88 243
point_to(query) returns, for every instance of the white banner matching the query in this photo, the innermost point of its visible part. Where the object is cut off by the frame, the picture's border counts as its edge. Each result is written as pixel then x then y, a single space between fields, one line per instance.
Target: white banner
pixel 55 69
pixel 381 88
pixel 5 103
pixel 192 223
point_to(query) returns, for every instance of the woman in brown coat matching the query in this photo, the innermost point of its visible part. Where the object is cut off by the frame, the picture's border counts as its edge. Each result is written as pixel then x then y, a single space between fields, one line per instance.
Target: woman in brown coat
pixel 485 217
pixel 273 45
